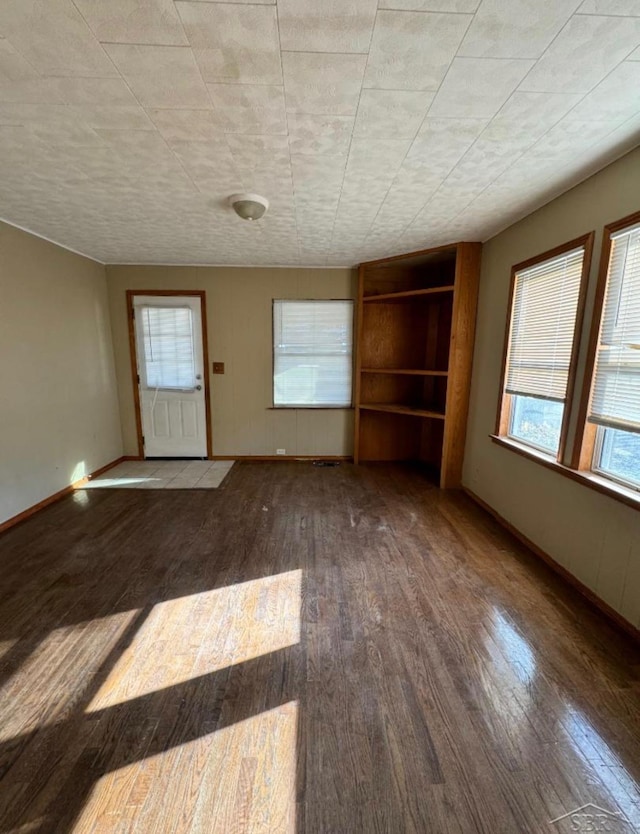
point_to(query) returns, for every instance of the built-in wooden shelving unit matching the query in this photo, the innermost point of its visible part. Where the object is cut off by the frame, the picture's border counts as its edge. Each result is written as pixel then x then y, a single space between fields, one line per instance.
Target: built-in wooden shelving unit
pixel 414 350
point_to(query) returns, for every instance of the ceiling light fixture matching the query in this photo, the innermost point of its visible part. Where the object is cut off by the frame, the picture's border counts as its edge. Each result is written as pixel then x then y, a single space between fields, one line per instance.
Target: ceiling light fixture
pixel 249 206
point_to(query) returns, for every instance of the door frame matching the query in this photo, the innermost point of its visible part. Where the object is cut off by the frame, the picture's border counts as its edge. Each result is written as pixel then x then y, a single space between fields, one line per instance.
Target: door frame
pixel 201 294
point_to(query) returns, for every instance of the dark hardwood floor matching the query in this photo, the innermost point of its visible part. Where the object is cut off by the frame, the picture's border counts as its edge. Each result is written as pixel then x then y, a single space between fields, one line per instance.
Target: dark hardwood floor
pixel 314 650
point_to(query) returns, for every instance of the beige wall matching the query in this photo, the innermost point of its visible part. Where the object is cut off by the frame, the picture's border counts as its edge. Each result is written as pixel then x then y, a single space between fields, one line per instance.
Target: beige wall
pixel 59 407
pixel 240 335
pixel 593 536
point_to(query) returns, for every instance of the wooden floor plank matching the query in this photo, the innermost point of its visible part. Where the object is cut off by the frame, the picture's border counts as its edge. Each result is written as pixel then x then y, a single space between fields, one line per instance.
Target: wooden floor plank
pixel 305 650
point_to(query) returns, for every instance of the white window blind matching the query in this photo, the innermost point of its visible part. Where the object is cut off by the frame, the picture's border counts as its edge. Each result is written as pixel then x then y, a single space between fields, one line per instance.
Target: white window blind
pixel 545 304
pixel 312 353
pixel 169 361
pixel 615 400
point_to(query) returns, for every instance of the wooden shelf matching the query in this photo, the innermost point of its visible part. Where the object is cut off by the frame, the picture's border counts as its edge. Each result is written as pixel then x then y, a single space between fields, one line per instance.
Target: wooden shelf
pixel 407 295
pixel 393 408
pixel 406 371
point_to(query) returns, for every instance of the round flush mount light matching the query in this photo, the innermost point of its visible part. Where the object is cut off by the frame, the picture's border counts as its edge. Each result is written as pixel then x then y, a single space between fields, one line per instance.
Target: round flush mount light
pixel 249 206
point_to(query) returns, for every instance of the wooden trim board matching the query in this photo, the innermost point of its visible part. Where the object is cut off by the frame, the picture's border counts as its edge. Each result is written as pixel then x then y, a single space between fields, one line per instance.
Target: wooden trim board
pixel 557 568
pixel 25 514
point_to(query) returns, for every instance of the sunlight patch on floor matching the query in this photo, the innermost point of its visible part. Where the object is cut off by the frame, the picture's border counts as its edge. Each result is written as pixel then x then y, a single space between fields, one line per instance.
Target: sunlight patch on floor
pixel 202 633
pixel 239 779
pixel 28 827
pixel 6 645
pixel 163 474
pixel 38 684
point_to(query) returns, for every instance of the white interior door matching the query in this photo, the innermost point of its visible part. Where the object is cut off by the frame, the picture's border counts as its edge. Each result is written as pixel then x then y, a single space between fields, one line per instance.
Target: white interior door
pixel 169 354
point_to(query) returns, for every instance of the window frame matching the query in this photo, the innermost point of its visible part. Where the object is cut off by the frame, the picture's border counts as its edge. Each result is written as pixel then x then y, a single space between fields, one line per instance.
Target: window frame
pixel 602 473
pixel 320 407
pixel 585 447
pixel 505 400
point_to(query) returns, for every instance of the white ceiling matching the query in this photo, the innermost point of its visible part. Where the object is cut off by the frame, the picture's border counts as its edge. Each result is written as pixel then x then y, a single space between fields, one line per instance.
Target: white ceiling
pixel 372 127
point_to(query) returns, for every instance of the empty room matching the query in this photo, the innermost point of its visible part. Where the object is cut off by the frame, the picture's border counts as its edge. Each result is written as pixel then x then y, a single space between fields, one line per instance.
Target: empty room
pixel 320 448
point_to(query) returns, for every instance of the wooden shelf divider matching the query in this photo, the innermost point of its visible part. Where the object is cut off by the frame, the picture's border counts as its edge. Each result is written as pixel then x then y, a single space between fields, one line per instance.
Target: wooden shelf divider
pixel 407 295
pixel 406 371
pixel 397 408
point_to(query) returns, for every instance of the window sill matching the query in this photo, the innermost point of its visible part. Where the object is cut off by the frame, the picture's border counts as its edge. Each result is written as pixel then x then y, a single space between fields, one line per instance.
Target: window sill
pixel 589 479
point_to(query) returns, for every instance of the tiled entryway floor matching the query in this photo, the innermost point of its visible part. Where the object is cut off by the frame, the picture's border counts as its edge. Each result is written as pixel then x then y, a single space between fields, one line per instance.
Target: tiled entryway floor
pixel 163 474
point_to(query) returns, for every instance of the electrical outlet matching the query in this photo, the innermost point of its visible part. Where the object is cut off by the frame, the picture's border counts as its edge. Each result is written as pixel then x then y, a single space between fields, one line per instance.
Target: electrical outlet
pixel 281 451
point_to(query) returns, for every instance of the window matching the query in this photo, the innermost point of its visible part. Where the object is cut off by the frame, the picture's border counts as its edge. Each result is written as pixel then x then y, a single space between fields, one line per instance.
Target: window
pixel 312 353
pixel 167 334
pixel 615 396
pixel 541 346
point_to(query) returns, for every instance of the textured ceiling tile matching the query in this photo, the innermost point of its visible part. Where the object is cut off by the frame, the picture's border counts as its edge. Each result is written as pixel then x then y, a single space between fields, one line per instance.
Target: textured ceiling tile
pixel 134 21
pixel 104 91
pixel 484 162
pixel 397 212
pixel 391 114
pixel 138 143
pixel 330 26
pixel 53 37
pixel 233 43
pixel 441 142
pixel 33 91
pixel 515 28
pixel 186 125
pixel 351 201
pixel 584 52
pixel 260 155
pixel 240 2
pixel 17 138
pixel 247 108
pixel 113 118
pixel 622 139
pixel 68 133
pixel 101 166
pixel 463 6
pixel 635 55
pixel 477 87
pixel 23 113
pixel 537 109
pixel 414 183
pixel 426 42
pixel 19 82
pixel 569 138
pixel 436 215
pixel 322 84
pixel 614 7
pixel 161 76
pixel 610 99
pixel 316 135
pixel 377 155
pixel 322 177
pixel 211 167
